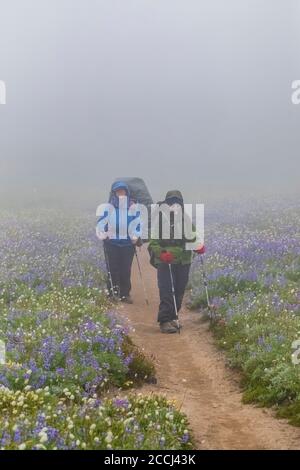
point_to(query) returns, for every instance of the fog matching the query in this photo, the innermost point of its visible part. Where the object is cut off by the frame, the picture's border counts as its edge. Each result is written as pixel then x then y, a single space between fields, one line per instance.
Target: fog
pixel 186 94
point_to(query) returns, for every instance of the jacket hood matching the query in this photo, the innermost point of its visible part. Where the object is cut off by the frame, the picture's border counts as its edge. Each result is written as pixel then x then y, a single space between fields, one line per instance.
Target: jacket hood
pixel 174 195
pixel 113 199
pixel 119 185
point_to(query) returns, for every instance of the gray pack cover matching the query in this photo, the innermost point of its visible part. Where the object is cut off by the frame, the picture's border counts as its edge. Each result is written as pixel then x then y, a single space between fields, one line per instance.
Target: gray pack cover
pixel 138 190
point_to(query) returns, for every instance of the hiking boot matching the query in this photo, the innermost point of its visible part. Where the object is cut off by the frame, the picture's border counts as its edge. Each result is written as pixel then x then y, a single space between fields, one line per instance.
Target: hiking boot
pixel 127 299
pixel 168 327
pixel 113 298
pixel 176 323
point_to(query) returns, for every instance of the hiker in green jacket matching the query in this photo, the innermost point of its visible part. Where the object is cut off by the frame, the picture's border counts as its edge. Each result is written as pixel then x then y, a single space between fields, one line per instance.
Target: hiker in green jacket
pixel 172 260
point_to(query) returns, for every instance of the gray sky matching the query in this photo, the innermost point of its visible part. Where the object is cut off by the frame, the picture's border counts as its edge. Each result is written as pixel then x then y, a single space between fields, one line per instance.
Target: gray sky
pixel 184 93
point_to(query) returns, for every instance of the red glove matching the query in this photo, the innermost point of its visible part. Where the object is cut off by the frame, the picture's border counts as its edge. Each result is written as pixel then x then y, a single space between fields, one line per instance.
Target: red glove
pixel 166 257
pixel 200 250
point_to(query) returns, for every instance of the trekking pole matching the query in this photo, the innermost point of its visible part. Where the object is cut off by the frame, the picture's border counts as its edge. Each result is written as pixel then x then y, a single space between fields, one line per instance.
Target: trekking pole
pixel 205 281
pixel 211 308
pixel 108 271
pixel 174 298
pixel 141 276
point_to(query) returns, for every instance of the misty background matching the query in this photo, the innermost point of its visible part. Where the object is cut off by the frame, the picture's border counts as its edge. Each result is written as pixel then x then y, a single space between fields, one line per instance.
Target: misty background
pixel 186 94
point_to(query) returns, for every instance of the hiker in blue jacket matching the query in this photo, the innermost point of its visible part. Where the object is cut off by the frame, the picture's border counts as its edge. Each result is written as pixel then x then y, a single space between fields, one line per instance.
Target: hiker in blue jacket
pixel 119 247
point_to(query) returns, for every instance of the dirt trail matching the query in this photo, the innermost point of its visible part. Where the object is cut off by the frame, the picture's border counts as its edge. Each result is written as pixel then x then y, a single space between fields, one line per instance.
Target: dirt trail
pixel 192 370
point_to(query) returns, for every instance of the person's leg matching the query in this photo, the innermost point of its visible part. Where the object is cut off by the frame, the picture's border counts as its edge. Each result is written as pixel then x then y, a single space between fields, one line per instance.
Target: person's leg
pixel 166 311
pixel 113 256
pixel 126 258
pixel 181 278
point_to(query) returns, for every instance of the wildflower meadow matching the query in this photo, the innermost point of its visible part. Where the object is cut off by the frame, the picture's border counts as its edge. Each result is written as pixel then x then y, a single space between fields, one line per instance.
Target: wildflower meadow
pixel 252 263
pixel 68 368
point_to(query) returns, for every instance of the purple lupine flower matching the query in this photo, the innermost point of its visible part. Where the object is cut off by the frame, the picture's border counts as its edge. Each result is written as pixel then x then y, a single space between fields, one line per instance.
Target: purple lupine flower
pixel 185 438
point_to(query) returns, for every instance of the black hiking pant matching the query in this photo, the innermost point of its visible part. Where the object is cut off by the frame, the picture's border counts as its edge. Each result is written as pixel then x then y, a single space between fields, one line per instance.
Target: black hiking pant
pixel 180 277
pixel 119 260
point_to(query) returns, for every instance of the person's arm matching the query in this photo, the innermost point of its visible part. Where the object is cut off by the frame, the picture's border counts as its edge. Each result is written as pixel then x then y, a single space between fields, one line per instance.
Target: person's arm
pixel 154 247
pixel 164 253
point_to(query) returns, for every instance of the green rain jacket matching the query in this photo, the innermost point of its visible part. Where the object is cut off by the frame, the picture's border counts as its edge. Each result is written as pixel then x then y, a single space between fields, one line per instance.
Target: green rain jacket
pixel 176 246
